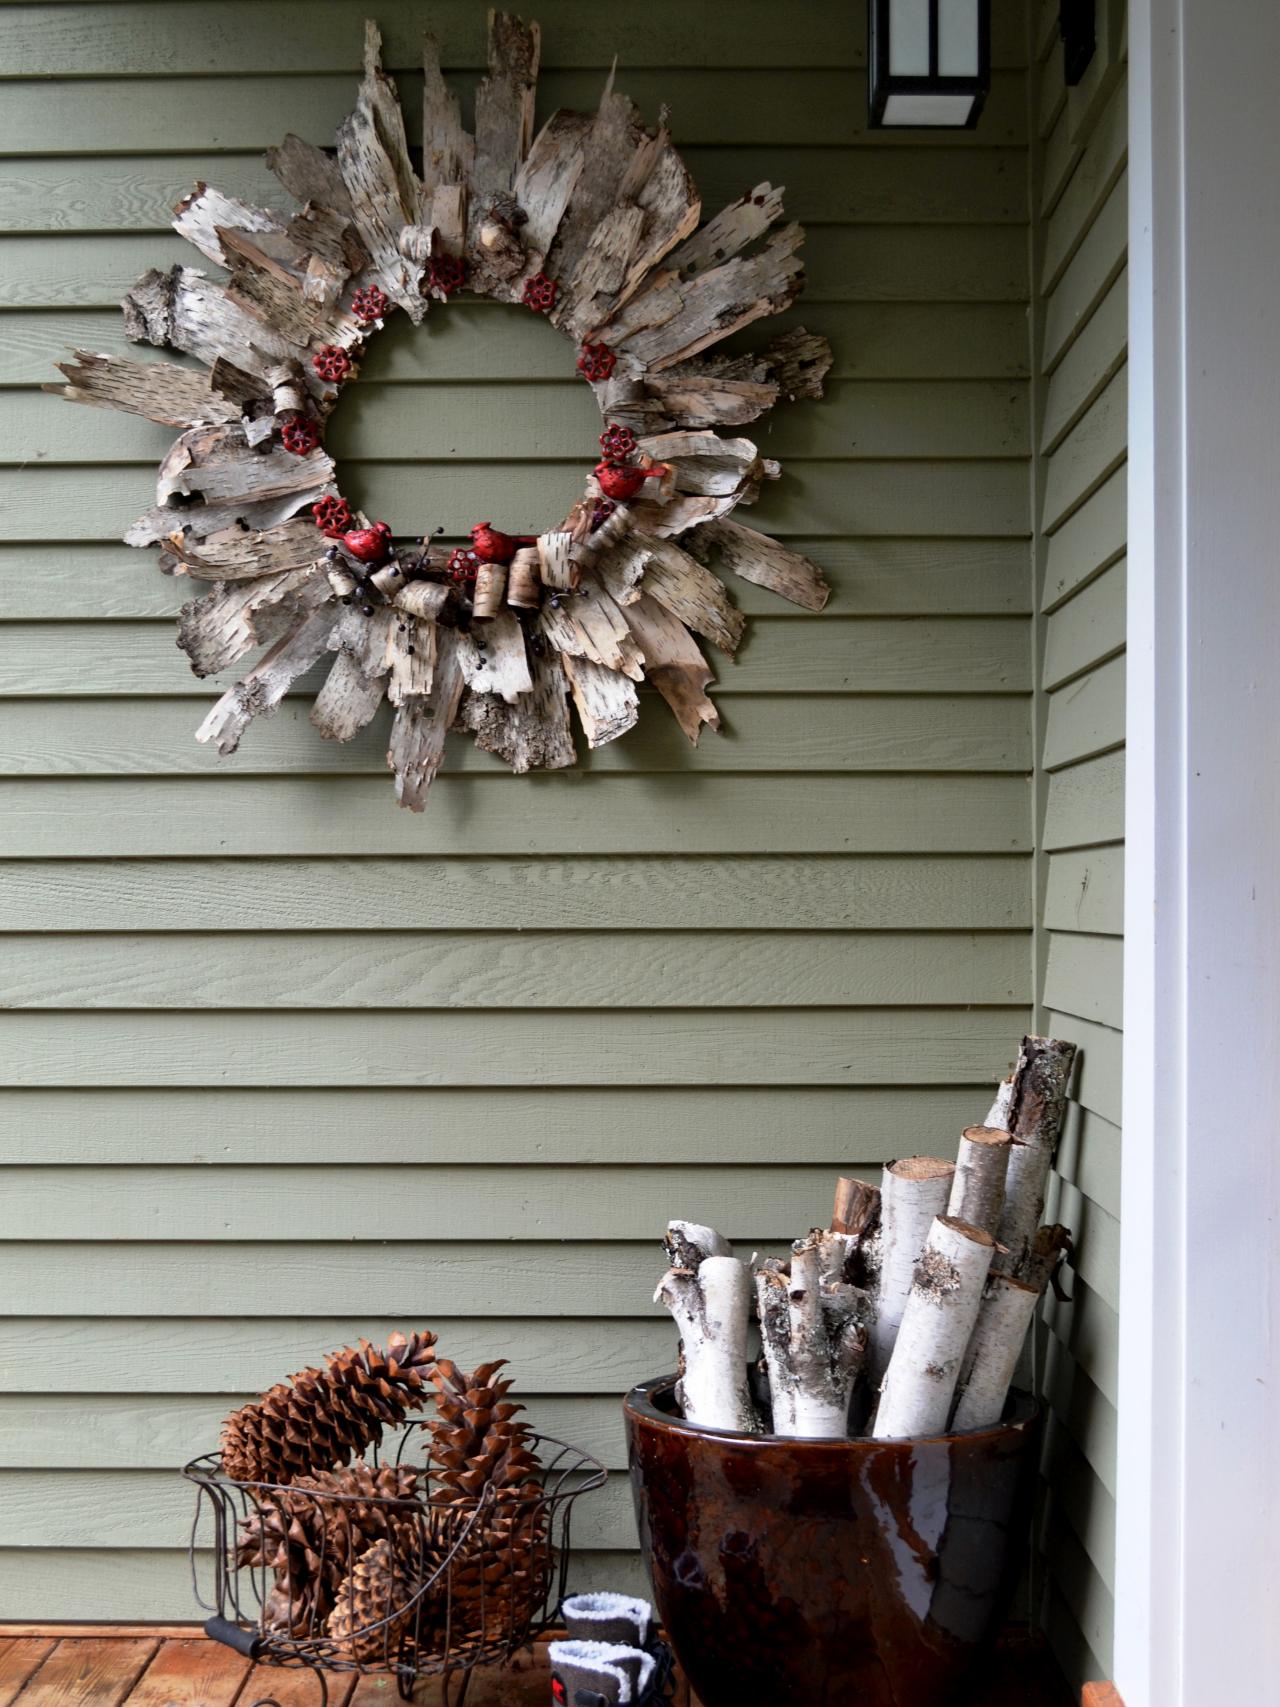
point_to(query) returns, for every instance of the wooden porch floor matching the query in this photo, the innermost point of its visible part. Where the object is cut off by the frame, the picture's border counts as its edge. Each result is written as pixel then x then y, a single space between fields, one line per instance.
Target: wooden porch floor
pixel 133 1666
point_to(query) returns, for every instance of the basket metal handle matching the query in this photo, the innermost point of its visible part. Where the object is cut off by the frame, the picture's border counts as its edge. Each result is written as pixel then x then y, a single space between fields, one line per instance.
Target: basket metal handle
pixel 246 1642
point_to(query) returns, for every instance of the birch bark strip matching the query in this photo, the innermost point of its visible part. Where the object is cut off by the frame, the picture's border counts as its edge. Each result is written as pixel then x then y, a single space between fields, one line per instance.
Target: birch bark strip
pixel 757 558
pixel 418 730
pixel 937 1324
pixel 158 391
pixel 814 1336
pixel 675 666
pixel 606 701
pixel 533 733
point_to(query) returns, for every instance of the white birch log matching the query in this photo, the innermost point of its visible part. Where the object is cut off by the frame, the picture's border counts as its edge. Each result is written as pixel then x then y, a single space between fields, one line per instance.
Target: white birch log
pixel 912 1194
pixel 710 1300
pixel 977 1191
pixel 1037 1105
pixel 998 1113
pixel 1007 1310
pixel 856 1211
pixel 813 1331
pixel 942 1309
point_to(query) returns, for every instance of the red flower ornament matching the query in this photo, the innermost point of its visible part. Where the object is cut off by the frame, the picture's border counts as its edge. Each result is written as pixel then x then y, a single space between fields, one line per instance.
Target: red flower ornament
pixel 540 293
pixel 370 304
pixel 446 273
pixel 331 363
pixel 596 362
pixel 618 443
pixel 332 516
pixel 299 435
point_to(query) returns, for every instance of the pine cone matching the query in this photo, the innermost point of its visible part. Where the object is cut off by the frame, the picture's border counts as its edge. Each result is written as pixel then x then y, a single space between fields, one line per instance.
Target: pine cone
pixel 499 1580
pixel 373 1606
pixel 312 1533
pixel 319 1419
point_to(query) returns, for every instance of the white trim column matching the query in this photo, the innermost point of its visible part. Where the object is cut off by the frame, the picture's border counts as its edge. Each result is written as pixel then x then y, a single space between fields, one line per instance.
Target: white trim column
pixel 1198 1478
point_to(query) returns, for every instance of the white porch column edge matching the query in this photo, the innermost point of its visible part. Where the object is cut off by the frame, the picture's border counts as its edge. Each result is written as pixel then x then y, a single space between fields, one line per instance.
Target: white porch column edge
pixel 1198 1542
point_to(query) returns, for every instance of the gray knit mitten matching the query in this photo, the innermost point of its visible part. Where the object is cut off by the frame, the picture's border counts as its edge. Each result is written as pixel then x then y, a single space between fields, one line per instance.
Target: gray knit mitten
pixel 598 1674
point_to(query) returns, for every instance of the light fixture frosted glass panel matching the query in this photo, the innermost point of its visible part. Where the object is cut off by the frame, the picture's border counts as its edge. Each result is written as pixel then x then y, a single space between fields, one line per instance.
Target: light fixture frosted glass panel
pixel 949 111
pixel 958 38
pixel 909 38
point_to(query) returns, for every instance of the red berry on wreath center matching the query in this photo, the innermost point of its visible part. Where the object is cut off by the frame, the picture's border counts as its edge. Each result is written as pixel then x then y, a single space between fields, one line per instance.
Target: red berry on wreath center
pixel 463 564
pixel 370 304
pixel 540 293
pixel 332 516
pixel 299 435
pixel 331 363
pixel 617 443
pixel 596 362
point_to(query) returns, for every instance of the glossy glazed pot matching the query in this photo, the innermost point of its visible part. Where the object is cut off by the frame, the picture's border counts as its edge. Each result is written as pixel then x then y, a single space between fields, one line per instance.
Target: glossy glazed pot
pixel 867 1573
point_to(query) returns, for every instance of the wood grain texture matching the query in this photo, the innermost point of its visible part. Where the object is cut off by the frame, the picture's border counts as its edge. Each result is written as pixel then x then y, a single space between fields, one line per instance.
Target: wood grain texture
pixel 1081 318
pixel 20 1657
pixel 556 815
pixel 191 1673
pixel 90 1672
pixel 512 1126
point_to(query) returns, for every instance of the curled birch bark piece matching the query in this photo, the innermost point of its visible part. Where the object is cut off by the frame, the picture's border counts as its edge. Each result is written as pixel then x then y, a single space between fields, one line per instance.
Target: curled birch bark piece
pixel 159 391
pixel 1006 1313
pixel 199 215
pixel 605 700
pixel 937 1324
pixel 673 663
pixel 269 680
pixel 756 557
pixel 418 730
pixel 689 590
pixel 524 581
pixel 711 1305
pixel 912 1194
pixel 813 1331
pixel 977 1191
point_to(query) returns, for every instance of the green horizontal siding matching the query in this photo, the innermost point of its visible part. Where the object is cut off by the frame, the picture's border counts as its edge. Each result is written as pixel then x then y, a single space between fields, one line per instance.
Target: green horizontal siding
pixel 279 1065
pixel 1081 308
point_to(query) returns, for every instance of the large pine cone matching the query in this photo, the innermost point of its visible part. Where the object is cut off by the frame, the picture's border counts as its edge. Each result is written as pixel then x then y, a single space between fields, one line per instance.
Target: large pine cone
pixel 500 1578
pixel 319 1419
pixel 312 1533
pixel 373 1607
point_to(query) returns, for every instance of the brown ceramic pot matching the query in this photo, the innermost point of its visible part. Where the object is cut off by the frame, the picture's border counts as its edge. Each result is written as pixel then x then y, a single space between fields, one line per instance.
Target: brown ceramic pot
pixel 867 1573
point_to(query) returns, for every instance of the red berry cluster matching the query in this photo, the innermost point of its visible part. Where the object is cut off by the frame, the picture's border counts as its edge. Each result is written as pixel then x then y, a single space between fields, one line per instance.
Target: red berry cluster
pixel 540 293
pixel 618 443
pixel 596 362
pixel 463 564
pixel 332 516
pixel 370 304
pixel 446 273
pixel 331 363
pixel 299 434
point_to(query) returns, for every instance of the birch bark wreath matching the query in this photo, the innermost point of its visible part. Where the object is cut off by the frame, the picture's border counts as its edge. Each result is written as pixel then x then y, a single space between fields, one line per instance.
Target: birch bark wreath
pixel 594 223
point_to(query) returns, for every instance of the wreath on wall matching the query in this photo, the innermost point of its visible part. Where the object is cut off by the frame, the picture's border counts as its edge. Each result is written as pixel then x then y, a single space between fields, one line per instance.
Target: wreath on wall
pixel 594 224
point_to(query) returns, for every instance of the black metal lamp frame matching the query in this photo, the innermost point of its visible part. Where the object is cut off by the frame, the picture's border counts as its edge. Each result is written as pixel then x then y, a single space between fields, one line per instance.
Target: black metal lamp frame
pixel 883 84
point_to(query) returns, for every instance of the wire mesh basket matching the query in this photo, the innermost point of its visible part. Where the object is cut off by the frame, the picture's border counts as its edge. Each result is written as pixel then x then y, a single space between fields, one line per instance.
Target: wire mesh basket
pixel 416 1584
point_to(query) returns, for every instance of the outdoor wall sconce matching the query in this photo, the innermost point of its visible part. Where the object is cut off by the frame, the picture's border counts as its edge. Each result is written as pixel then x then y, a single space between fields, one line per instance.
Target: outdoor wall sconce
pixel 929 63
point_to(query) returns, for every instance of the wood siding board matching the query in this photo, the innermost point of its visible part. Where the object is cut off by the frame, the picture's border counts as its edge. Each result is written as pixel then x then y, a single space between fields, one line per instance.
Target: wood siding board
pixel 1086 717
pixel 1088 366
pixel 1086 630
pixel 1086 804
pixel 811 106
pixel 1085 891
pixel 1093 449
pixel 737 1046
pixel 296 37
pixel 1089 541
pixel 1090 273
pixel 1084 976
pixel 1091 183
pixel 121 737
pixel 825 186
pixel 745 892
pixel 558 814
